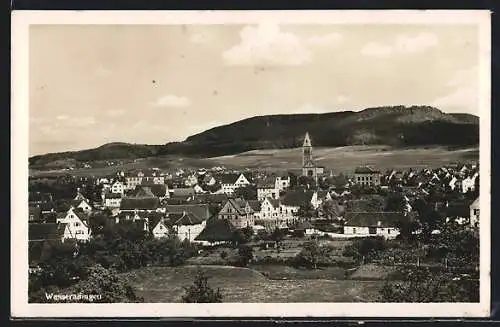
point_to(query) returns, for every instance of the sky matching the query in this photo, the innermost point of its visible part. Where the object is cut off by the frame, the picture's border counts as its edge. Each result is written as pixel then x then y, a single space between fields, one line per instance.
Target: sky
pixel 153 84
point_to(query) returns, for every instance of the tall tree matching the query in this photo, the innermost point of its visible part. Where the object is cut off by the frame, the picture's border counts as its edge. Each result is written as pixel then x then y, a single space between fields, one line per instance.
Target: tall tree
pixel 201 291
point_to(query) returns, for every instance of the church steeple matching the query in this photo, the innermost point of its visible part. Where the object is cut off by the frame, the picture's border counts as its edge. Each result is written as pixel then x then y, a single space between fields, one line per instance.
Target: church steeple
pixel 307 158
pixel 307 140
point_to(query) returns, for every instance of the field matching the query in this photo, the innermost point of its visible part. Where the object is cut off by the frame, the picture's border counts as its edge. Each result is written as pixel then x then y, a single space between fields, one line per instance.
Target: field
pixel 340 159
pixel 165 285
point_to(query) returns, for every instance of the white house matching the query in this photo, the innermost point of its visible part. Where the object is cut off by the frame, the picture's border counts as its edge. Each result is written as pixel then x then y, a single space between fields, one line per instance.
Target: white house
pixel 267 191
pixel 270 209
pixel 474 213
pixel 230 182
pixel 112 200
pixel 373 223
pixel 469 183
pixel 159 229
pixel 282 183
pixel 117 187
pixel 76 225
pixel 186 225
pixel 82 204
pixel 191 180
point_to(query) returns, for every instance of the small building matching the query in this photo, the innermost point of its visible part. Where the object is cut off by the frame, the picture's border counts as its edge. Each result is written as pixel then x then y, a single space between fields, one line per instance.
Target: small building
pixel 230 182
pixel 366 176
pixel 216 232
pixel 117 187
pixel 474 213
pixel 238 212
pixel 267 190
pixel 112 200
pixel 373 223
pixel 76 225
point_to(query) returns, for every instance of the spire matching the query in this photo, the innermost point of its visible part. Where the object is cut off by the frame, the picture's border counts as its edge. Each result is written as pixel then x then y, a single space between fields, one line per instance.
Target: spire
pixel 307 140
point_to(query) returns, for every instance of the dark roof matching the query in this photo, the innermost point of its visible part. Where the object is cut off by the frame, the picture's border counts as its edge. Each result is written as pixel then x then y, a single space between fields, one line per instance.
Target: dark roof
pixel 139 203
pixel 144 192
pixel 112 196
pixel 182 192
pixel 297 197
pixel 212 198
pixel 42 232
pixel 275 203
pixel 268 182
pixel 254 204
pixel 239 205
pixel 201 211
pixel 36 212
pixel 457 209
pixel 217 230
pixel 228 178
pixel 186 218
pixel 366 170
pixel 159 190
pixel 371 219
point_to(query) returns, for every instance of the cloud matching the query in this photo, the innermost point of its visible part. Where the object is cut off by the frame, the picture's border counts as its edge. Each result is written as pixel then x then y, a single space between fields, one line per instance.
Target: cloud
pixel 418 43
pixel 403 44
pixel 464 95
pixel 62 117
pixel 201 38
pixel 325 40
pixel 81 121
pixel 267 44
pixel 171 101
pixel 102 71
pixel 377 50
pixel 115 112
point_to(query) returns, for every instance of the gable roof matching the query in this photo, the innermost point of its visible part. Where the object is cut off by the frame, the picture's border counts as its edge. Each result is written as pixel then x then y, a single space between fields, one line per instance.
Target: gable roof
pixel 112 196
pixel 365 170
pixel 139 203
pixel 200 211
pixel 254 204
pixel 230 178
pixel 186 218
pixel 183 192
pixel 371 219
pixel 217 230
pixel 275 203
pixel 297 197
pixel 45 232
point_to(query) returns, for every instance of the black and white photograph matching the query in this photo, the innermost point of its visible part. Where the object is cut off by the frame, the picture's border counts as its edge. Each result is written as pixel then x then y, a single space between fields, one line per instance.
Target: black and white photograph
pixel 332 163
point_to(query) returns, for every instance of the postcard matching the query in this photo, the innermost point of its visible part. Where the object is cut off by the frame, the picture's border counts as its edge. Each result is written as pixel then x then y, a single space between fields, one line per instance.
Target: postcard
pixel 250 164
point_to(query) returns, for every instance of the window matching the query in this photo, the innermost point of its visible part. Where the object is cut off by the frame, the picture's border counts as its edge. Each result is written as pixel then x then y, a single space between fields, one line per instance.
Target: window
pixel 354 230
pixel 77 224
pixel 476 212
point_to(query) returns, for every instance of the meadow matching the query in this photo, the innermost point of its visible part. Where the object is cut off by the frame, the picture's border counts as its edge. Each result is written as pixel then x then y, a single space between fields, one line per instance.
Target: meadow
pixel 339 159
pixel 243 285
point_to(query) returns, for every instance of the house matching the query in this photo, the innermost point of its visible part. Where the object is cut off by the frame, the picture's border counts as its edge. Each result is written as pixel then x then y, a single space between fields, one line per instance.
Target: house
pixel 132 180
pixel 198 189
pixel 469 183
pixel 457 211
pixel 270 209
pixel 238 212
pixel 186 225
pixel 191 181
pixel 112 200
pixel 230 182
pixel 117 187
pixel 366 176
pixel 267 189
pixel 474 213
pixel 35 214
pixel 292 200
pixel 82 204
pixel 186 192
pixel 282 182
pixel 76 225
pixel 373 223
pixel 304 228
pixel 159 227
pixel 40 232
pixel 133 204
pixel 256 207
pixel 216 231
pixel 209 180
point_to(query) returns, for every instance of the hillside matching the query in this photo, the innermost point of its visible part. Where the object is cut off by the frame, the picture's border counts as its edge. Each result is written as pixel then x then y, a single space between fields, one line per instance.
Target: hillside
pixel 394 126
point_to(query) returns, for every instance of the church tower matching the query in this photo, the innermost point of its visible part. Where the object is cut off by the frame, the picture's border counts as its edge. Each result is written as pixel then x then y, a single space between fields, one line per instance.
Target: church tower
pixel 307 157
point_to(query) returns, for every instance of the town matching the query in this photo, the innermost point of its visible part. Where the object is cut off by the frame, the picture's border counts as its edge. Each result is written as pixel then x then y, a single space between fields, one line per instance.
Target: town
pixel 320 222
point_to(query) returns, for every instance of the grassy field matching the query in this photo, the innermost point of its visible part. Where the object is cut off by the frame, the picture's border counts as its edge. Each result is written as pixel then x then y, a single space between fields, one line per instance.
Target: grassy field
pixel 340 159
pixel 165 284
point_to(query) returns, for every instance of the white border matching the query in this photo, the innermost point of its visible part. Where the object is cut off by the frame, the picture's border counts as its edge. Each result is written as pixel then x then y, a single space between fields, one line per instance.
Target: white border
pixel 19 158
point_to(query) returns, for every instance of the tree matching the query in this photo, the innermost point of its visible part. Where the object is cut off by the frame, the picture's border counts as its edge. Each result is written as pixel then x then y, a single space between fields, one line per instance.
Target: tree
pixel 245 255
pixel 395 202
pixel 277 236
pixel 306 211
pixel 331 209
pixel 312 254
pixel 201 292
pixel 248 192
pixel 306 182
pixel 106 283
